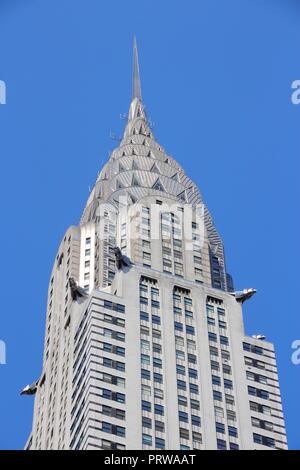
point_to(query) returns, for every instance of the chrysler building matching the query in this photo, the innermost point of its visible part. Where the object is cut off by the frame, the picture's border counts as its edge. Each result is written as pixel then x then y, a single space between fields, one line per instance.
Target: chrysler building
pixel 145 345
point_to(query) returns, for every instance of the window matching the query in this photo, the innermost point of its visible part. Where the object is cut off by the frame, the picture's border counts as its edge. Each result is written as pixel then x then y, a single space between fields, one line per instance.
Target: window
pixel 178 326
pixel 145 374
pixel 197 437
pixel 212 336
pixel 159 426
pixel 196 421
pixel 147 439
pixel 211 321
pixel 156 348
pixel 193 374
pixel 231 415
pixel 157 362
pixel 158 393
pixel 220 427
pixel 159 443
pixel 191 344
pixel 145 359
pixel 228 383
pixel 144 316
pixel 192 358
pixel 145 330
pixel 180 355
pixel 181 385
pixel 258 393
pixel 229 399
pixel 158 377
pixel 190 330
pixel 183 416
pixel 263 440
pixel 214 365
pixel 213 351
pixel 182 400
pixel 156 333
pixel 226 369
pixel 156 319
pixel 145 344
pixel 146 422
pixel 219 412
pixel 195 404
pixel 217 395
pixel 194 389
pixel 233 446
pixel 232 431
pixel 259 423
pixel 146 390
pixel 216 380
pixel 180 369
pixel 159 409
pixel 184 434
pixel 260 408
pixel 221 445
pixel 224 340
pixel 146 405
pixel 253 348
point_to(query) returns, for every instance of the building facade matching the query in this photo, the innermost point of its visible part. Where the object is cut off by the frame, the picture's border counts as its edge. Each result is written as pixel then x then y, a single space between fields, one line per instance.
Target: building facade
pixel 145 345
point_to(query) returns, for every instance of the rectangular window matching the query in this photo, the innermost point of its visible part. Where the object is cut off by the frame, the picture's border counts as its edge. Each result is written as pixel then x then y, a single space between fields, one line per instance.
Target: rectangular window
pixel 146 422
pixel 232 431
pixel 194 389
pixel 228 383
pixel 224 340
pixel 220 427
pixel 221 445
pixel 183 416
pixel 146 405
pixel 216 380
pixel 212 336
pixel 159 443
pixel 193 374
pixel 158 409
pixel 196 421
pixel 217 395
pixel 147 439
pixel 158 378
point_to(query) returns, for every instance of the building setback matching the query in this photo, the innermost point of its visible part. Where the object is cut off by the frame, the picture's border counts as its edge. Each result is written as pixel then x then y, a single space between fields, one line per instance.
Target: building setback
pixel 145 345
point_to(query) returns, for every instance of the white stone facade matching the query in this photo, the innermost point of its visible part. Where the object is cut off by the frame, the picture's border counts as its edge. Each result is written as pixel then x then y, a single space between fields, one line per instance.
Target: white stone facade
pixel 155 356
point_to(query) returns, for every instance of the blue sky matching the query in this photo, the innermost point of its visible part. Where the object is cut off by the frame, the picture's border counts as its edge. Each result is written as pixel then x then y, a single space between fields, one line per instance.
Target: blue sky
pixel 216 80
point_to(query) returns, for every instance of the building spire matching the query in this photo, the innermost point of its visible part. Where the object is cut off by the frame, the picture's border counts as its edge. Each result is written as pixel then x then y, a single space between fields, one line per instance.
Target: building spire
pixel 136 83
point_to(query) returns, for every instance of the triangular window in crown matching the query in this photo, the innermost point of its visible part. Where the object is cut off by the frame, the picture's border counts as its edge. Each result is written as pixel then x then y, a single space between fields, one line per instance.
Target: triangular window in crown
pixel 135 181
pixel 134 165
pixel 121 168
pixel 133 152
pixel 182 196
pixel 155 168
pixel 134 131
pixel 132 199
pixel 158 186
pixel 166 160
pixel 119 185
pixel 149 154
pixel 123 153
pixel 175 177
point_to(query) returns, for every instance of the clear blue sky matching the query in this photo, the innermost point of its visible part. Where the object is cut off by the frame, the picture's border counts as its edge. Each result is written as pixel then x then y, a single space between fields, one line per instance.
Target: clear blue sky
pixel 216 80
